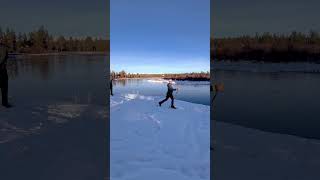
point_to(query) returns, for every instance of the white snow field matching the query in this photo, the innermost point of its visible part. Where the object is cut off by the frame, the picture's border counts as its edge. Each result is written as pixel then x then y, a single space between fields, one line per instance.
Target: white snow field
pixel 159 143
pixel 243 153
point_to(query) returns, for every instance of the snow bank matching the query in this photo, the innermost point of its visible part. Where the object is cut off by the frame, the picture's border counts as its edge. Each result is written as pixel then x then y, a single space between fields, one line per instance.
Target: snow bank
pixel 243 153
pixel 160 81
pixel 152 142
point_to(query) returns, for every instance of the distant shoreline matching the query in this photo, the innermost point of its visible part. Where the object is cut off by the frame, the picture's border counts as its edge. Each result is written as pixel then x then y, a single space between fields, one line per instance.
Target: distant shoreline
pixel 268 47
pixel 167 78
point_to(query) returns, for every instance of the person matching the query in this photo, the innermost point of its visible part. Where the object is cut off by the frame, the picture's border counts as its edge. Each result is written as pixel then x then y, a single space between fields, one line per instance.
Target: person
pixel 4 75
pixel 169 95
pixel 111 86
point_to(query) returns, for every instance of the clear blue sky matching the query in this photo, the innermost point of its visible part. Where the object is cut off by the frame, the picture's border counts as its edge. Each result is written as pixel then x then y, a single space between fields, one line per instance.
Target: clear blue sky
pixel 160 36
pixel 60 17
pixel 239 17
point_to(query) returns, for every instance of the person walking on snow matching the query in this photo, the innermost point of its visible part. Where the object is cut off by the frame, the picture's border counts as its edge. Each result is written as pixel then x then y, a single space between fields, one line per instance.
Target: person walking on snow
pixel 169 95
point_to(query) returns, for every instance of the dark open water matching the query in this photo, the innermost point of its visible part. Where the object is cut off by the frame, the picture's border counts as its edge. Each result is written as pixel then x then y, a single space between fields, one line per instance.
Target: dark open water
pixel 285 99
pixel 54 79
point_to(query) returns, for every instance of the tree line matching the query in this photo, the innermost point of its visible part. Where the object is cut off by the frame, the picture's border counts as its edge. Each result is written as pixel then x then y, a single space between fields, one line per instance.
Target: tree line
pixel 41 41
pixel 295 46
pixel 194 76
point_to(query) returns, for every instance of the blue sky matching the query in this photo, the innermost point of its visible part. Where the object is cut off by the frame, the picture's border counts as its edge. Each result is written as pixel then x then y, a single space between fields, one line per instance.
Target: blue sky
pixel 167 36
pixel 61 17
pixel 238 17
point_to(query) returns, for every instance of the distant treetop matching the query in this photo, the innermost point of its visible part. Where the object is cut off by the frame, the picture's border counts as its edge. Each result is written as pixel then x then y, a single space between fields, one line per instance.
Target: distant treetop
pixel 41 41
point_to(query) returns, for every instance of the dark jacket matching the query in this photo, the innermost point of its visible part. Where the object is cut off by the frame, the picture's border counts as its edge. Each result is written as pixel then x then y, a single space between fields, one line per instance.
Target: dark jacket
pixel 170 88
pixel 3 57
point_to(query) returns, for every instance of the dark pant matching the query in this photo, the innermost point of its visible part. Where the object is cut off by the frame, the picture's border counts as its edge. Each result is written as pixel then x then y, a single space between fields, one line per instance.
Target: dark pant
pixel 111 90
pixel 4 86
pixel 169 95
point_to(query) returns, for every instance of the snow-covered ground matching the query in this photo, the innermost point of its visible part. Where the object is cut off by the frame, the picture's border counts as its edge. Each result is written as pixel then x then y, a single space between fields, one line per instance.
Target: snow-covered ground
pixel 57 141
pixel 159 80
pixel 64 141
pixel 243 153
pixel 152 142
